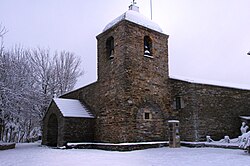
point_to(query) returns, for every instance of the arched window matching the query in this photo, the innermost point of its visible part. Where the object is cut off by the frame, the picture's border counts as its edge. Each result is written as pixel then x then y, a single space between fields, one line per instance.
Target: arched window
pixel 147 46
pixel 110 47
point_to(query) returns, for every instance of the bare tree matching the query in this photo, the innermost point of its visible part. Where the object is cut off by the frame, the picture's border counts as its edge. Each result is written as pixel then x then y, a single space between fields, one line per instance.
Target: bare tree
pixel 67 70
pixel 41 63
pixel 54 74
pixel 28 81
pixel 17 93
pixel 3 31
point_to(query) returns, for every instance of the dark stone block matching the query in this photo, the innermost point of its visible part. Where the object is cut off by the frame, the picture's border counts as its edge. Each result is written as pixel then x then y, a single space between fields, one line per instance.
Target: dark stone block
pixel 6 146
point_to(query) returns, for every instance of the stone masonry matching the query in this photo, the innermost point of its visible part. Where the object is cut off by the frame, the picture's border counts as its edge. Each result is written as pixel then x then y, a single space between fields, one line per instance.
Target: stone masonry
pixel 209 110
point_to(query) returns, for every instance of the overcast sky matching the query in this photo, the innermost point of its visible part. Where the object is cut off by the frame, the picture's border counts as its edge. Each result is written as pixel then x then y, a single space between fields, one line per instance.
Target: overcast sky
pixel 209 39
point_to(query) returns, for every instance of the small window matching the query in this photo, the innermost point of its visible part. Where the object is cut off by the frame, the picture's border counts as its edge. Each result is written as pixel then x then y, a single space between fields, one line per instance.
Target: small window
pixel 178 103
pixel 147 116
pixel 147 46
pixel 110 47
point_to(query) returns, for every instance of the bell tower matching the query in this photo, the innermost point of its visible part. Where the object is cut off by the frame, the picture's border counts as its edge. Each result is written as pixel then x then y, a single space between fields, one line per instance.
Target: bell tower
pixel 133 71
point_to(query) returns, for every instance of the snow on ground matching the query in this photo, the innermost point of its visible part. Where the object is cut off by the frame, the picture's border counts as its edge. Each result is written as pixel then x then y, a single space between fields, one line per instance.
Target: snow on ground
pixel 33 154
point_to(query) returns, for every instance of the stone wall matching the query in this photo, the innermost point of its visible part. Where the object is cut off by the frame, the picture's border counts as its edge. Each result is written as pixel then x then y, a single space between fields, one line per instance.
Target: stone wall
pixel 209 110
pixel 78 129
pixel 146 82
pixel 152 129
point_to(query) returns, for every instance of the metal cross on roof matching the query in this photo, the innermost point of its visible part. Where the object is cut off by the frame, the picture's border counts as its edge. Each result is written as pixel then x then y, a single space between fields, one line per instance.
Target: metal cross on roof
pixel 133 2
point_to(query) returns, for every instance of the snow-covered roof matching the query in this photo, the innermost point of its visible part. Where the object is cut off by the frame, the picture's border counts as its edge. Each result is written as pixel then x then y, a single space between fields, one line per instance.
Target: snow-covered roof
pixel 72 108
pixel 211 82
pixel 134 16
pixel 173 121
pixel 245 117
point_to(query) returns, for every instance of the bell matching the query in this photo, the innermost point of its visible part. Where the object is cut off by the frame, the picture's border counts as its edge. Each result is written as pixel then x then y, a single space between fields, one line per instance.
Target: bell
pixel 147 52
pixel 111 54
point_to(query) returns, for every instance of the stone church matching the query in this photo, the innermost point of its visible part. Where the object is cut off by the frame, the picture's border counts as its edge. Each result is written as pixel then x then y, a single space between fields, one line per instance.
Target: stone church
pixel 134 97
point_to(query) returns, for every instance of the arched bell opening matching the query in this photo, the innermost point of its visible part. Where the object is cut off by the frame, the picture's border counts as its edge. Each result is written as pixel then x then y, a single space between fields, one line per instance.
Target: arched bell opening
pixel 147 46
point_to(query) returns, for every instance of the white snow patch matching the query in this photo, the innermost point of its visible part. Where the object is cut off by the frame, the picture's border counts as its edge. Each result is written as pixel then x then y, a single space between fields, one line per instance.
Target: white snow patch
pixel 173 121
pixel 245 117
pixel 35 155
pixel 211 82
pixel 117 144
pixel 5 143
pixel 72 108
pixel 220 143
pixel 135 17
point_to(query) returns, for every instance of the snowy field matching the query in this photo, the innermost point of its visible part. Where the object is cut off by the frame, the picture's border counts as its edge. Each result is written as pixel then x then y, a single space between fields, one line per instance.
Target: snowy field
pixel 33 154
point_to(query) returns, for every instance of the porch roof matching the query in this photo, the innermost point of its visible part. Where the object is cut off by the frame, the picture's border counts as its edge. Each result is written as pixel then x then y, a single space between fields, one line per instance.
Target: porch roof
pixel 72 108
